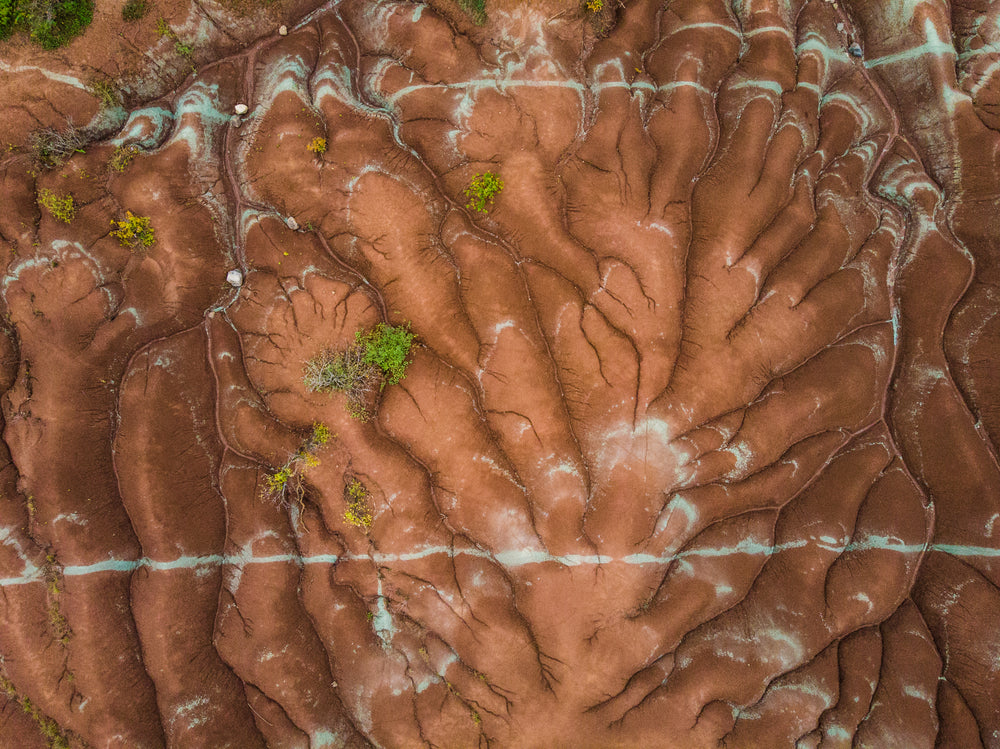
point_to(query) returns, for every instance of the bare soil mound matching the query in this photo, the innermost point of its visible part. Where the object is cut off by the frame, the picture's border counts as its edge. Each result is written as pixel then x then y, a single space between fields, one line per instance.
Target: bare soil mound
pixel 697 441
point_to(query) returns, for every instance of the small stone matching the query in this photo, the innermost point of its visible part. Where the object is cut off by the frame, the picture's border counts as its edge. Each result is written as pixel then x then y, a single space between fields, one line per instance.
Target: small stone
pixel 292 224
pixel 235 120
pixel 241 109
pixel 283 30
pixel 855 50
pixel 234 278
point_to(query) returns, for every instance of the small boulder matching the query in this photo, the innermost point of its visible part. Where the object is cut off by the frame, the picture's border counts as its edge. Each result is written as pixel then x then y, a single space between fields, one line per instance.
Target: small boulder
pixel 235 120
pixel 241 109
pixel 234 278
pixel 855 50
pixel 292 224
pixel 283 30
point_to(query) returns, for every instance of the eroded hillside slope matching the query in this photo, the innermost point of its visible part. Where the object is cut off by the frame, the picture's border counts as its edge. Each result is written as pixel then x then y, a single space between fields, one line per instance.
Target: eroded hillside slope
pixel 698 445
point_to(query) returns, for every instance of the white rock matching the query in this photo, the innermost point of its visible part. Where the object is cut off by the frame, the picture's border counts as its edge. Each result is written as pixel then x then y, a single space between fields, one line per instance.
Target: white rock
pixel 241 109
pixel 235 278
pixel 283 30
pixel 292 224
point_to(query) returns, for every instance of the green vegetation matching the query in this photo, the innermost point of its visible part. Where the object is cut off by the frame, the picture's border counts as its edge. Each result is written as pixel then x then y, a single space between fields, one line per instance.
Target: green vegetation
pixel 105 91
pixel 133 10
pixel 60 208
pixel 377 357
pixel 476 10
pixel 317 145
pixel 387 346
pixel 49 728
pixel 482 191
pixel 184 50
pixel 358 512
pixel 52 147
pixel 134 231
pixel 50 23
pixel 287 480
pixel 595 6
pixel 122 156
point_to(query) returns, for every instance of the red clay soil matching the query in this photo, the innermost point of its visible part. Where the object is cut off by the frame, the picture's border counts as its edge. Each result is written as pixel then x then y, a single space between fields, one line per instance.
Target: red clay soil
pixel 699 441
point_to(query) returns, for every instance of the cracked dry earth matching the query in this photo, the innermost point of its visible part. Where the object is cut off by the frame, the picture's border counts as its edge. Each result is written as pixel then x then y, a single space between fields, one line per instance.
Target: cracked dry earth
pixel 698 445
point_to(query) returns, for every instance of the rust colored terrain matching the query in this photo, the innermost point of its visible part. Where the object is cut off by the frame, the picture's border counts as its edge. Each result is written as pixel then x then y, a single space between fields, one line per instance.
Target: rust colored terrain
pixel 698 444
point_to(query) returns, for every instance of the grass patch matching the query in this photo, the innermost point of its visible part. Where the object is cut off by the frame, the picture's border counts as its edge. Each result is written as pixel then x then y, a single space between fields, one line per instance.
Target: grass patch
pixel 105 92
pixel 476 10
pixel 122 156
pixel 61 208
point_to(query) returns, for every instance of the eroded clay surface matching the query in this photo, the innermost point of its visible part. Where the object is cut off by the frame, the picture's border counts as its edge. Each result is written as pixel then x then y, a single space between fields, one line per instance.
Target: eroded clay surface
pixel 698 446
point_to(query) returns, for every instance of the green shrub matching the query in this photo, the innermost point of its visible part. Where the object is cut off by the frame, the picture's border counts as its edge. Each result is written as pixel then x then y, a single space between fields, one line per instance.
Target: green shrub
pixel 377 357
pixel 60 208
pixel 387 346
pixel 133 10
pixel 52 23
pixel 358 512
pixel 134 231
pixel 8 14
pixel 482 190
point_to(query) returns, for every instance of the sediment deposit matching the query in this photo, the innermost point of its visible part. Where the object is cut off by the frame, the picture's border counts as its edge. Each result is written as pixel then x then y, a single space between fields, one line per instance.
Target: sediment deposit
pixel 698 444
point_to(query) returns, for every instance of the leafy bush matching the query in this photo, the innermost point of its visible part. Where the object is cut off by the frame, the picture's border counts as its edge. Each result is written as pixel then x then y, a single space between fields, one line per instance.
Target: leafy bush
pixel 52 147
pixel 133 10
pixel 134 231
pixel 317 145
pixel 358 513
pixel 50 23
pixel 482 190
pixel 387 346
pixel 595 6
pixel 8 12
pixel 377 357
pixel 60 208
